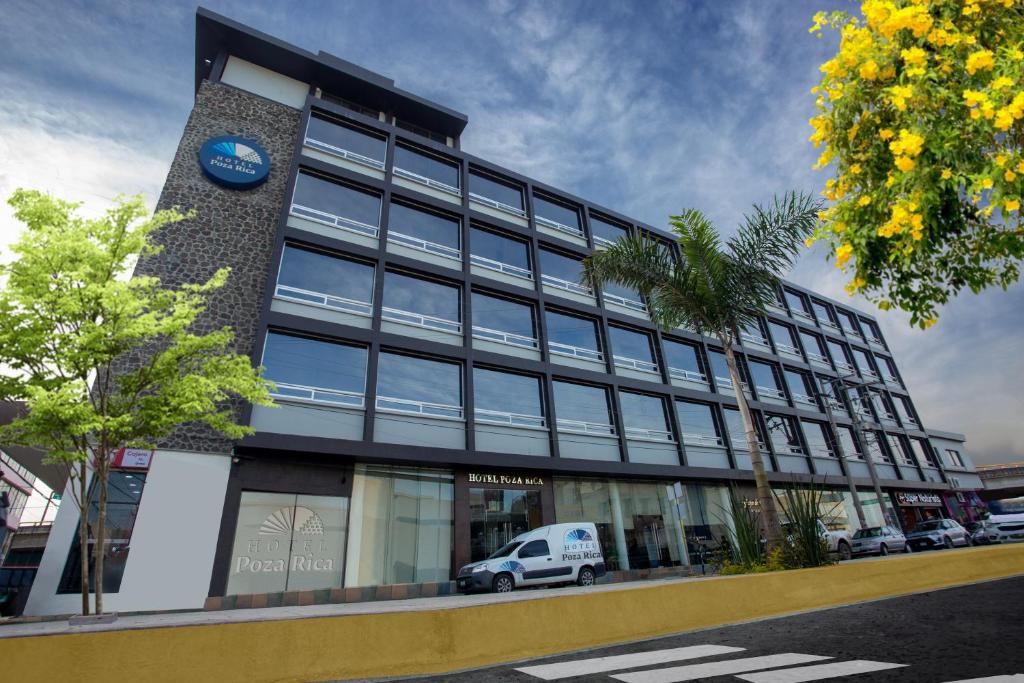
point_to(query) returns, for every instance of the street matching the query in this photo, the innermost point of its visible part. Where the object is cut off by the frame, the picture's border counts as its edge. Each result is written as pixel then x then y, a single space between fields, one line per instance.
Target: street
pixel 957 634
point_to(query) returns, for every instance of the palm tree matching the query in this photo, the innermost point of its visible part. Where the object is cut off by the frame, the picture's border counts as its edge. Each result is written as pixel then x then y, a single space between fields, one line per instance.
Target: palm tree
pixel 715 291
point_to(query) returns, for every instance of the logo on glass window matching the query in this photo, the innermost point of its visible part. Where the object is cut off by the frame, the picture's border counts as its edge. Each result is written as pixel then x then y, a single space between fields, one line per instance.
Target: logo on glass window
pixel 234 162
pixel 300 518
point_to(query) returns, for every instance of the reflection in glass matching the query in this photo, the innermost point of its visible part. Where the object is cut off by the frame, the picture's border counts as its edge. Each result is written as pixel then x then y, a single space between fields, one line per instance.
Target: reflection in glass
pixel 425 225
pixel 492 250
pixel 491 188
pixel 316 277
pixel 301 367
pixel 405 381
pixel 503 315
pixel 337 200
pixel 427 166
pixel 581 403
pixel 559 213
pixel 410 294
pixel 498 394
pixel 341 137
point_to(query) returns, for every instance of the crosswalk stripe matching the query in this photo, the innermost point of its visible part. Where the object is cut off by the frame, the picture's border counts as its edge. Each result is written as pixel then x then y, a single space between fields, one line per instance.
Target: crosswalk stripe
pixel 582 667
pixel 695 672
pixel 1005 678
pixel 819 672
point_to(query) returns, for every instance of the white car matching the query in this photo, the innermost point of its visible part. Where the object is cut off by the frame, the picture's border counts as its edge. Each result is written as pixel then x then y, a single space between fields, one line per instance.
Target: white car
pixel 839 541
pixel 1005 528
pixel 557 553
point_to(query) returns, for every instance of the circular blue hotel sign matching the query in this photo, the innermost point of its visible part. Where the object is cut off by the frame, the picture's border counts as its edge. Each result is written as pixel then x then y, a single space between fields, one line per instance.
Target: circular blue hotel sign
pixel 235 162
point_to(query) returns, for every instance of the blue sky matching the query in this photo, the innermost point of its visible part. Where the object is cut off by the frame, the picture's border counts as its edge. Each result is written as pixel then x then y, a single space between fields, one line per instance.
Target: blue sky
pixel 644 107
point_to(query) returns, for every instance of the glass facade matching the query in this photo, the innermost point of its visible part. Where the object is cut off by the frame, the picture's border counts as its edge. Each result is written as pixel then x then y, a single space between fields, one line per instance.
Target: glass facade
pixel 421 385
pixel 310 369
pixel 557 212
pixel 605 231
pixel 427 166
pixel 505 316
pixel 406 294
pixel 319 278
pixel 570 333
pixel 341 137
pixel 496 190
pixel 581 405
pixel 507 398
pixel 335 199
pixel 424 225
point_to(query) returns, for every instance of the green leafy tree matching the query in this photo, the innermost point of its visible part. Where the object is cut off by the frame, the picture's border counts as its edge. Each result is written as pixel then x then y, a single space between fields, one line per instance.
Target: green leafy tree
pixel 102 360
pixel 715 291
pixel 921 121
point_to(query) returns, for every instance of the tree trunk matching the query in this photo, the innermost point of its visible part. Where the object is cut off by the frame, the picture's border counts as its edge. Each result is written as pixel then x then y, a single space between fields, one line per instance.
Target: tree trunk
pixel 103 476
pixel 83 533
pixel 765 498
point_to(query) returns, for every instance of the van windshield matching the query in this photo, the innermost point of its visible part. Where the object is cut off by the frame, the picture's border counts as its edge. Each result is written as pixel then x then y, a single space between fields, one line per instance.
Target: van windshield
pixel 505 550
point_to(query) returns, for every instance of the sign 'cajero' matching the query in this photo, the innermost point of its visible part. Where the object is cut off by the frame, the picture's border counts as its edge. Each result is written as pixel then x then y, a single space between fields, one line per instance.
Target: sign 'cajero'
pixel 234 162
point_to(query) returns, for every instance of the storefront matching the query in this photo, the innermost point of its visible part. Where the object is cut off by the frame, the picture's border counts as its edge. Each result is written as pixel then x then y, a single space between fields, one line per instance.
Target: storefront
pixel 964 506
pixel 915 507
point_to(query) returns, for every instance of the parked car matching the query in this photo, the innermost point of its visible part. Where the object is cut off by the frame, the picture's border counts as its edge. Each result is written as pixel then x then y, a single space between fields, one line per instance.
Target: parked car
pixel 557 553
pixel 1005 528
pixel 879 540
pixel 838 541
pixel 983 532
pixel 938 533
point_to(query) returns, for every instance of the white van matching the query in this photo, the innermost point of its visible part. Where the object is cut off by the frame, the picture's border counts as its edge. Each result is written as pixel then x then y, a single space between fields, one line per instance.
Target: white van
pixel 558 553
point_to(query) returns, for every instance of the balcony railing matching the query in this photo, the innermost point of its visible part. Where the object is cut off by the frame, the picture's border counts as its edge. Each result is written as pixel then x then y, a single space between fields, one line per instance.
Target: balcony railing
pixel 688 375
pixel 827 322
pixel 341 153
pixel 491 264
pixel 511 419
pixel 575 351
pixel 702 440
pixel 635 364
pixel 777 307
pixel 770 392
pixel 402 405
pixel 583 427
pixel 787 348
pixel 638 306
pixel 804 399
pixel 425 246
pixel 843 366
pixel 649 434
pixel 817 358
pixel 495 204
pixel 338 303
pixel 800 313
pixel 500 337
pixel 602 241
pixel 429 182
pixel 339 222
pixel 321 395
pixel 559 283
pixel 419 320
pixel 753 340
pixel 560 227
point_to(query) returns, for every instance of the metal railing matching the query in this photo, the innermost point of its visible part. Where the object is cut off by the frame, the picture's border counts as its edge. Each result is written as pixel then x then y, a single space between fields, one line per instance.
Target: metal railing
pixel 429 322
pixel 585 427
pixel 805 399
pixel 402 405
pixel 827 322
pixel 817 358
pixel 800 313
pixel 891 379
pixel 507 269
pixel 876 342
pixel 787 348
pixel 559 283
pixel 495 204
pixel 649 434
pixel 429 182
pixel 635 364
pixel 777 308
pixel 632 304
pixel 322 395
pixel 342 153
pixel 339 303
pixel 726 383
pixel 769 392
pixel 751 339
pixel 500 337
pixel 842 366
pixel 555 225
pixel 424 245
pixel 822 453
pixel 339 222
pixel 575 351
pixel 703 440
pixel 602 241
pixel 511 419
pixel 852 332
pixel 688 375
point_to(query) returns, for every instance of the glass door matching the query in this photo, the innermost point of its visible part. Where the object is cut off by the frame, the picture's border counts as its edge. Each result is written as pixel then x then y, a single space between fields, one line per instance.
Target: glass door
pixel 499 515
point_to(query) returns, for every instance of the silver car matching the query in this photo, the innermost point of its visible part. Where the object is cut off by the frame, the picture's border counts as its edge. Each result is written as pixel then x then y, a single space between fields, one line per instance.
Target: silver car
pixel 879 540
pixel 938 533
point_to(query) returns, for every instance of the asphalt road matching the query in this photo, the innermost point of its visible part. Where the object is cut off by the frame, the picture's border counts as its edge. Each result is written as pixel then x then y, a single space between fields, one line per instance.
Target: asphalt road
pixel 956 634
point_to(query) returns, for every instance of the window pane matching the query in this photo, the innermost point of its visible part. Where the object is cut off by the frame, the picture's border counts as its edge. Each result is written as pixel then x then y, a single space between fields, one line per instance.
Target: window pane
pixel 427 166
pixel 571 331
pixel 556 212
pixel 863 362
pixel 337 200
pixel 838 352
pixel 681 356
pixel 419 379
pixel 319 272
pixel 795 301
pixel 737 434
pixel 817 438
pixel 581 403
pixel 498 191
pixel 696 418
pixel 782 431
pixel 812 343
pixel 424 225
pixel 764 375
pixel 314 363
pixel 627 293
pixel 719 365
pixel 562 267
pixel 849 444
pixel 781 334
pixel 497 248
pixel 503 315
pixel 822 312
pixel 643 412
pixel 505 392
pixel 426 297
pixel 605 230
pixel 798 383
pixel 846 320
pixel 629 344
pixel 343 137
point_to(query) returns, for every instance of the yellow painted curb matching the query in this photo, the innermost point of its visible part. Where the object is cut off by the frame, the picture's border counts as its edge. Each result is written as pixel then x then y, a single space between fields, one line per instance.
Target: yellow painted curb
pixel 434 641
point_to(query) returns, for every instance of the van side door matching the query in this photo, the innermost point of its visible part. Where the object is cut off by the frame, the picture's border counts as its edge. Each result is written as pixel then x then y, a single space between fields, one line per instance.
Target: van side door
pixel 538 563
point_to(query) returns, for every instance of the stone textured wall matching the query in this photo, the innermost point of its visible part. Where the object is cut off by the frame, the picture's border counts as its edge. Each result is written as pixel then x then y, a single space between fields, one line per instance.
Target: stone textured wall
pixel 231 228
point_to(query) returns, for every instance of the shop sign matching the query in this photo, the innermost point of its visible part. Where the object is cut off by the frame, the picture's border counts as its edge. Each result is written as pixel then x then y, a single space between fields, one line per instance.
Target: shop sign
pixel 908 499
pixel 234 162
pixel 505 479
pixel 132 458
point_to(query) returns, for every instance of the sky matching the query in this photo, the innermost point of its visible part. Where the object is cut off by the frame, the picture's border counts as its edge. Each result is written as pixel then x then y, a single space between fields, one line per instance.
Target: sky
pixel 644 107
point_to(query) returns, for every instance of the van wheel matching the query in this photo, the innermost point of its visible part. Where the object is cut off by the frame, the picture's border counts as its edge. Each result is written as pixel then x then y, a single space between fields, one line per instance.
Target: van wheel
pixel 586 577
pixel 844 550
pixel 502 584
pixel 883 550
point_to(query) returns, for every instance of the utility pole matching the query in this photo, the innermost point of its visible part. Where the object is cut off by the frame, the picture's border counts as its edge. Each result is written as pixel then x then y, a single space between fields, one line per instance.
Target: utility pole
pixel 840 452
pixel 858 431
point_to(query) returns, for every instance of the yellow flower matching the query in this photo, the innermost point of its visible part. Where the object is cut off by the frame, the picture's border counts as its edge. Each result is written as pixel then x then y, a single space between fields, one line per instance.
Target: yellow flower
pixel 1001 83
pixel 869 70
pixel 1000 160
pixel 909 144
pixel 930 321
pixel 977 61
pixel 1003 119
pixel 1020 167
pixel 986 184
pixel 884 305
pixel 905 164
pixel 914 56
pixel 899 94
pixel 974 97
pixel 885 133
pixel 1012 204
pixel 946 174
pixel 843 253
pixel 864 201
pixel 1010 176
pixel 855 169
pixel 809 242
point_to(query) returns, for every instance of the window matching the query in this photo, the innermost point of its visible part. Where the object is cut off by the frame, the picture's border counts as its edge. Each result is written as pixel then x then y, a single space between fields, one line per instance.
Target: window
pixel 496 252
pixel 783 433
pixel 824 314
pixel 900 449
pixel 818 440
pixel 840 356
pixel 337 205
pixel 850 447
pixel 562 272
pixel 782 335
pixel 644 417
pixel 557 216
pixel 753 333
pixel 848 321
pixel 424 303
pixel 332 137
pixel 835 398
pixel 421 131
pixel 507 398
pixel 410 384
pixel 316 371
pixel 124 491
pixel 623 296
pixel 349 104
pixel 883 406
pixel 876 447
pixel 801 389
pixel 582 408
pixel 314 277
pixel 888 369
pixel 797 304
pixel 606 232
pixel 632 349
pixel 538 548
pixel 923 451
pixel 425 230
pixel 569 335
pixel 427 169
pixel 496 193
pixel 683 361
pixel 720 369
pixel 697 420
pixel 737 434
pixel 861 402
pixel 814 347
pixel 766 380
pixel 905 411
pixel 874 333
pixel 503 320
pixel 955 460
pixel 867 368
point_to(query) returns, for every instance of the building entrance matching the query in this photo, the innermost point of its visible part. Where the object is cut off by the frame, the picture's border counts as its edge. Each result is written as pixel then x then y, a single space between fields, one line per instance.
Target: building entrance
pixel 496 516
